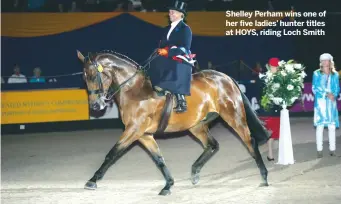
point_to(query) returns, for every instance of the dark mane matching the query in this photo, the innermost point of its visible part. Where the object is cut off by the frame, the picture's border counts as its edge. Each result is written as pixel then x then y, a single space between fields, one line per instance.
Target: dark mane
pixel 120 56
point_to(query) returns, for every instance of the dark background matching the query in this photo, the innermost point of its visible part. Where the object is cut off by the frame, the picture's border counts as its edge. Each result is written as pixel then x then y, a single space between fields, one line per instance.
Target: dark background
pixel 56 54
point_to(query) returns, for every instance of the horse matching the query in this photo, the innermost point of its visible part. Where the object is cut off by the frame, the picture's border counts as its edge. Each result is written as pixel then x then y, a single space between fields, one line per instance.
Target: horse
pixel 213 94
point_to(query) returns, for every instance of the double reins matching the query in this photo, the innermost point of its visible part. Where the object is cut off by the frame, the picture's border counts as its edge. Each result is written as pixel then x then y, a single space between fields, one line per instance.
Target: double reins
pixel 117 89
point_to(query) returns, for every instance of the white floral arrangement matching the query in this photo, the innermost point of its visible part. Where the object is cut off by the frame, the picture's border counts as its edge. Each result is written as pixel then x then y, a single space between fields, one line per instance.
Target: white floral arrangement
pixel 285 86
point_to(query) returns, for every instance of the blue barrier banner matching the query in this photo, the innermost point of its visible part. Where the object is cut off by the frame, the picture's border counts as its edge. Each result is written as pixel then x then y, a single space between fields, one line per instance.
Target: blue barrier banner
pixel 253 91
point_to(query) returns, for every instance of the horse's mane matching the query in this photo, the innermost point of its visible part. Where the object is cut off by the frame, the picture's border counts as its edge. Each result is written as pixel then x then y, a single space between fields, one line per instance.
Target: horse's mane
pixel 129 61
pixel 120 56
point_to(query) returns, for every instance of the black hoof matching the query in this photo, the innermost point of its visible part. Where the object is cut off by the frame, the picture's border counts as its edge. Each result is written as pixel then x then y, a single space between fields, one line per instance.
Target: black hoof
pixel 165 192
pixel 195 178
pixel 263 184
pixel 90 185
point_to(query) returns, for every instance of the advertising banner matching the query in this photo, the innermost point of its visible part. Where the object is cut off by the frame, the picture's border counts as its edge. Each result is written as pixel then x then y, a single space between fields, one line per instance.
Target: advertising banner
pixel 44 106
pixel 308 100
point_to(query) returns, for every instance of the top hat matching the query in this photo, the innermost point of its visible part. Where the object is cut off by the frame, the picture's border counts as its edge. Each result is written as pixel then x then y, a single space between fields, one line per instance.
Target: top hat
pixel 179 6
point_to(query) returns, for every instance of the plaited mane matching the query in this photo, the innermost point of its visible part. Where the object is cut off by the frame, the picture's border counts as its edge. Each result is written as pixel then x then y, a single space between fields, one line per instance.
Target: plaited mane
pixel 120 56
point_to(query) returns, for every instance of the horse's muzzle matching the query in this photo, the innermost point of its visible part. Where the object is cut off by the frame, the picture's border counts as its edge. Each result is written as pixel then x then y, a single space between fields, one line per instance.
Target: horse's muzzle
pixel 98 105
pixel 95 106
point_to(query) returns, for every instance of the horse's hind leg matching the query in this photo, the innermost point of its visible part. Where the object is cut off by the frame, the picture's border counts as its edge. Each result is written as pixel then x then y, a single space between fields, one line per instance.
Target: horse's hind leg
pixel 211 146
pixel 260 164
pixel 234 115
pixel 150 144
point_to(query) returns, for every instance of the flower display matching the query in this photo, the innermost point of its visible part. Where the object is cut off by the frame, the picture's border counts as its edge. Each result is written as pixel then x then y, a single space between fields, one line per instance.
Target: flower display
pixel 283 87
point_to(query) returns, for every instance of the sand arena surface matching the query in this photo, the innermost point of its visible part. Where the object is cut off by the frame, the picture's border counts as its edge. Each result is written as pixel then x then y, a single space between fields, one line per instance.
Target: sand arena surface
pixel 53 168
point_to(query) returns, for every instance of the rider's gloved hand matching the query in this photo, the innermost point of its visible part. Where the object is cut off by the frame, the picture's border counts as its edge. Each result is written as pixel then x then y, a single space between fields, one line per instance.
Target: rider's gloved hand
pixel 162 52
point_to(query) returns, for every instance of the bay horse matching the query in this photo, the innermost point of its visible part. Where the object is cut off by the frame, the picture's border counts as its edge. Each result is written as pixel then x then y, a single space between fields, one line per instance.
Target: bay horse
pixel 213 94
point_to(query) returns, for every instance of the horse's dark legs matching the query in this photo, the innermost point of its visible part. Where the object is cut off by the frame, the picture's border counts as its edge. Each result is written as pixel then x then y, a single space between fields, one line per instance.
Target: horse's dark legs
pixel 128 137
pixel 150 144
pixel 211 146
pixel 260 164
pixel 239 124
pixel 114 154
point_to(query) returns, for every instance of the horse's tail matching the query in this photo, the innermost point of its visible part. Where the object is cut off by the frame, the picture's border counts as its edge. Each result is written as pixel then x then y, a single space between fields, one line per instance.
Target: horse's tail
pixel 256 126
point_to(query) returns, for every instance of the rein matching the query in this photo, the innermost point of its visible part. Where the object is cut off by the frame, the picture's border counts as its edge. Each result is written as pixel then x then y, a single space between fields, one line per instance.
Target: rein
pixel 117 89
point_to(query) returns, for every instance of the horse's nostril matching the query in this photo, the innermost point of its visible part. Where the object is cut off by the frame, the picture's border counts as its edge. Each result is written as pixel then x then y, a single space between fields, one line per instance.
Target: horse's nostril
pixel 95 106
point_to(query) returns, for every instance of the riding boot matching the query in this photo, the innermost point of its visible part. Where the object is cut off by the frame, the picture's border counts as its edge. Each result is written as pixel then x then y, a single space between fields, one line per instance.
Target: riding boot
pixel 181 105
pixel 184 103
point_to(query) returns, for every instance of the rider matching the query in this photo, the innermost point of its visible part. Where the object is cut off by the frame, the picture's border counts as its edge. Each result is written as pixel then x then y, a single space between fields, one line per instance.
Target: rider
pixel 172 70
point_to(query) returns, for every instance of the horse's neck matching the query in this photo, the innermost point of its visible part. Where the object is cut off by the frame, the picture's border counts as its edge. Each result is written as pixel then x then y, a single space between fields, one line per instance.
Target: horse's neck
pixel 132 84
pixel 137 88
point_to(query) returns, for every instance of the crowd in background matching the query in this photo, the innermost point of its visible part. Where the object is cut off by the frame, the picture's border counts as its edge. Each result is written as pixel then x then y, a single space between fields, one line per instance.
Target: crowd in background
pixel 134 5
pixel 19 77
pixel 137 6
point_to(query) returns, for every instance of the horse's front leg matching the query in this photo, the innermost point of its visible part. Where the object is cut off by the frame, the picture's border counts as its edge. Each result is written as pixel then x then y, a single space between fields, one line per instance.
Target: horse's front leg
pixel 131 134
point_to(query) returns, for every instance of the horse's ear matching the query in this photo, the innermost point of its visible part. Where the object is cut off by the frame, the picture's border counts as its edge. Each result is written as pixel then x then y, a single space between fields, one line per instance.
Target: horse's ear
pixel 90 56
pixel 80 56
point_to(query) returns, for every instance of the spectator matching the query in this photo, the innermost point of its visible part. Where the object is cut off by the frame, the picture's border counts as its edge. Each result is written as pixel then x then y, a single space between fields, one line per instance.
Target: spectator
pixel 129 6
pixel 271 117
pixel 61 8
pixel 326 89
pixel 148 5
pixel 14 5
pixel 258 69
pixel 210 65
pixel 92 6
pixel 35 5
pixel 196 67
pixel 74 7
pixel 17 77
pixel 37 78
pixel 119 7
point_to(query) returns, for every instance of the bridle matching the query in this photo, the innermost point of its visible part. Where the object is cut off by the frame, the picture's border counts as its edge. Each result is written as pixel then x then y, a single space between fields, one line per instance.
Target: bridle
pixel 112 91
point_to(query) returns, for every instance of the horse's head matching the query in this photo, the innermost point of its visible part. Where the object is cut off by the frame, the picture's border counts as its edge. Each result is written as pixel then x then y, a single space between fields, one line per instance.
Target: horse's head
pixel 98 79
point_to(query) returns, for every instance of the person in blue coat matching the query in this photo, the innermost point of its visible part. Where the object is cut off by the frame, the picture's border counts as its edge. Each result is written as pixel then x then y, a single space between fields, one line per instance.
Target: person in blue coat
pixel 172 70
pixel 326 89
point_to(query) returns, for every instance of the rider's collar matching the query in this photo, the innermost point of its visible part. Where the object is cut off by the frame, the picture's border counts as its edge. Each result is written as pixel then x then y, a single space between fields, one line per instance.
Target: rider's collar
pixel 173 24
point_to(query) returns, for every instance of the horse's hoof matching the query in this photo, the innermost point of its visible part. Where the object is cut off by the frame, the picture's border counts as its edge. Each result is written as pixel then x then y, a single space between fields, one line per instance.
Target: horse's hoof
pixel 263 184
pixel 195 178
pixel 165 192
pixel 90 185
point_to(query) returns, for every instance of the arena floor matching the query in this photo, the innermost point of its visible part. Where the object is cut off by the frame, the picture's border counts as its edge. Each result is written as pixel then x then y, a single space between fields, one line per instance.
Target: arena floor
pixel 53 168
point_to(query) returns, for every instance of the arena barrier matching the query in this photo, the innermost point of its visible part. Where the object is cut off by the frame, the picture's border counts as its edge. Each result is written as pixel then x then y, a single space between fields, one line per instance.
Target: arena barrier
pixel 44 106
pixel 47 110
pixel 68 109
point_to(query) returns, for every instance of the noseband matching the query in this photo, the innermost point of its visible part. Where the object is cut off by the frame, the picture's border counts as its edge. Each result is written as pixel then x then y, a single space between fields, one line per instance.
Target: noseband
pixel 100 89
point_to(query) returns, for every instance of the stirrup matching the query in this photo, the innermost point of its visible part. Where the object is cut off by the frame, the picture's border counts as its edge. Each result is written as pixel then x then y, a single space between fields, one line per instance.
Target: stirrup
pixel 180 109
